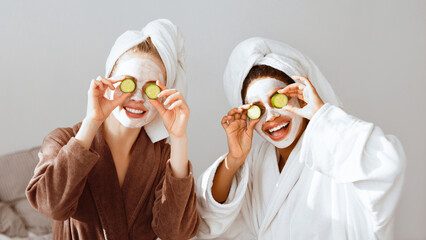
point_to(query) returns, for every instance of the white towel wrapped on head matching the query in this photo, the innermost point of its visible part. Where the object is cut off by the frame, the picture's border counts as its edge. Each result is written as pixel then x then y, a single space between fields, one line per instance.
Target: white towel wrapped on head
pixel 168 40
pixel 262 51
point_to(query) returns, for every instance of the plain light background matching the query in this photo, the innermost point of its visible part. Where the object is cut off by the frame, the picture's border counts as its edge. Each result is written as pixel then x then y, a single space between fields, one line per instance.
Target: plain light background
pixel 372 52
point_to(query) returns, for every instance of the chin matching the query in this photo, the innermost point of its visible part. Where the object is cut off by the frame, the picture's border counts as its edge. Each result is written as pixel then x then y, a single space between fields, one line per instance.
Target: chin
pixel 282 144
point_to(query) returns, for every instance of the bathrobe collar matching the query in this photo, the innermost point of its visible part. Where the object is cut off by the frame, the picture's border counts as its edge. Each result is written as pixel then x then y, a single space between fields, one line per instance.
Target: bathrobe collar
pixel 288 178
pixel 103 181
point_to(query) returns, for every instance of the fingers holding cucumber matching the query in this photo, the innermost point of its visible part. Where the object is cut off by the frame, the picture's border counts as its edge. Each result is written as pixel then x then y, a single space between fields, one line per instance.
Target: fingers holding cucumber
pixel 99 85
pixel 239 134
pixel 152 91
pixel 305 92
pixel 175 117
pixel 99 107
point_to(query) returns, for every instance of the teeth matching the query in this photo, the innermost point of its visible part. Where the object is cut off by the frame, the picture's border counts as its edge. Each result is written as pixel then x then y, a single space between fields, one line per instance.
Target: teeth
pixel 278 127
pixel 134 110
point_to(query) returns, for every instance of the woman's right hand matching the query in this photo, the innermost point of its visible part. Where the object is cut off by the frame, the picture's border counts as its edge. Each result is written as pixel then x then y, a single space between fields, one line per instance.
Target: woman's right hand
pixel 98 106
pixel 239 135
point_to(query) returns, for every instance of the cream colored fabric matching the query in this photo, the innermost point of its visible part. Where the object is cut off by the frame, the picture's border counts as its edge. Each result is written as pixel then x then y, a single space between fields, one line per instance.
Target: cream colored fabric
pixel 10 223
pixel 15 172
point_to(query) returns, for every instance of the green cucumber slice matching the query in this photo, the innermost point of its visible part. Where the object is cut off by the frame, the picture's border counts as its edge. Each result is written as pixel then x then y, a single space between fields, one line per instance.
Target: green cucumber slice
pixel 254 112
pixel 152 91
pixel 279 100
pixel 128 85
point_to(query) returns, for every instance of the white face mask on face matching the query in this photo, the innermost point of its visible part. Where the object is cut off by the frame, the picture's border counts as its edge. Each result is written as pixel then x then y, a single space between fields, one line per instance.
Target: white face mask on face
pixel 136 111
pixel 277 126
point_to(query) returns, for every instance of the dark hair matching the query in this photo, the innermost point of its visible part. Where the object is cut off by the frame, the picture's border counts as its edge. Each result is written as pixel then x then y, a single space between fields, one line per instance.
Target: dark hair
pixel 263 71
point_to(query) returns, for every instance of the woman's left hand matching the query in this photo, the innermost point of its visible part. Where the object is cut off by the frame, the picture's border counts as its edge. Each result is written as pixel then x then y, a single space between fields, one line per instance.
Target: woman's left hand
pixel 305 92
pixel 175 118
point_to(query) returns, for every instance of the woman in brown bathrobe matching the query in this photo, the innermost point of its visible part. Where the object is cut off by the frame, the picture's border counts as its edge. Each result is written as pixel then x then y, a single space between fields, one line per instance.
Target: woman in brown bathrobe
pixel 114 176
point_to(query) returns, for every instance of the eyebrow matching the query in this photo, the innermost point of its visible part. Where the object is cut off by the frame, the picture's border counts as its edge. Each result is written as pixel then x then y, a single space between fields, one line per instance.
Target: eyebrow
pixel 134 78
pixel 273 93
pixel 259 103
pixel 269 96
pixel 130 76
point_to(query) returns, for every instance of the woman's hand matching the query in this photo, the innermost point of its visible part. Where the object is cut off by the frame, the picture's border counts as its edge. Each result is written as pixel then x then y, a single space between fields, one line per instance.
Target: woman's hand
pixel 175 118
pixel 239 135
pixel 305 92
pixel 99 107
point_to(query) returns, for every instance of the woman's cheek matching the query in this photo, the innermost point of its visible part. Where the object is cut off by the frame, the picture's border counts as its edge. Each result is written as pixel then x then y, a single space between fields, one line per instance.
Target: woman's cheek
pixel 117 93
pixel 259 124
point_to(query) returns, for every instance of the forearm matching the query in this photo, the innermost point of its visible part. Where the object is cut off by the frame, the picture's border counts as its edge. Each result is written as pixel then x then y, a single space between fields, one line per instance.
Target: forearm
pixel 218 217
pixel 179 156
pixel 222 180
pixel 59 178
pixel 87 132
pixel 175 213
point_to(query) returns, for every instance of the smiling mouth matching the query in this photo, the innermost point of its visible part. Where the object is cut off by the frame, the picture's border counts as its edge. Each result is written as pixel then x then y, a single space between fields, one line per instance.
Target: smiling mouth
pixel 134 113
pixel 279 132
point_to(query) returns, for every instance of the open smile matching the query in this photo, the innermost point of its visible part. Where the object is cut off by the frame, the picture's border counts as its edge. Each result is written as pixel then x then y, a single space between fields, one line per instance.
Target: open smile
pixel 278 131
pixel 134 113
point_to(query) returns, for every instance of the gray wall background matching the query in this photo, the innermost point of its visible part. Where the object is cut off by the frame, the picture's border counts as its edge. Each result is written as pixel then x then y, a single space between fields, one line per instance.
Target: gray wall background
pixel 372 52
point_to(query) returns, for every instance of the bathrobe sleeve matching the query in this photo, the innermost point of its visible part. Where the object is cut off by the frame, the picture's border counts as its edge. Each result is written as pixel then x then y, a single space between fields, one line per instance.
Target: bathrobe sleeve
pixel 175 213
pixel 61 174
pixel 216 217
pixel 357 153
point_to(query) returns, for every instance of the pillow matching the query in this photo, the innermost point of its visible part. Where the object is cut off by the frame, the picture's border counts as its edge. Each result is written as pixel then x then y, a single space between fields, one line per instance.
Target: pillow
pixel 15 173
pixel 10 223
pixel 34 221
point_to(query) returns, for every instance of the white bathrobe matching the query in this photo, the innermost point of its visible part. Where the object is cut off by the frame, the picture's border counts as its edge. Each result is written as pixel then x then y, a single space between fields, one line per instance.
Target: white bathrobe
pixel 341 181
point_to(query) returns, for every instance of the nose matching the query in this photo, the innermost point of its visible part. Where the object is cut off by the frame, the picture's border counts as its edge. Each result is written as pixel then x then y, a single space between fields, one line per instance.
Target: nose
pixel 271 114
pixel 137 95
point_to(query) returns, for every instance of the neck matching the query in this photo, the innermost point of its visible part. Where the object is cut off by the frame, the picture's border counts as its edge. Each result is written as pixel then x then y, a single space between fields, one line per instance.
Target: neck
pixel 285 152
pixel 119 138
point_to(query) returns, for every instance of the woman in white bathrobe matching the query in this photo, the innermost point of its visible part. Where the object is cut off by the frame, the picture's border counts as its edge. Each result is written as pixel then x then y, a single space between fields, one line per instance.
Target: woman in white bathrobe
pixel 317 173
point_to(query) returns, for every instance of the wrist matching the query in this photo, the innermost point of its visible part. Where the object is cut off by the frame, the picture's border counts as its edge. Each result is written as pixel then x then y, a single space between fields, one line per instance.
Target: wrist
pixel 179 156
pixel 92 123
pixel 232 163
pixel 178 139
pixel 87 132
pixel 317 108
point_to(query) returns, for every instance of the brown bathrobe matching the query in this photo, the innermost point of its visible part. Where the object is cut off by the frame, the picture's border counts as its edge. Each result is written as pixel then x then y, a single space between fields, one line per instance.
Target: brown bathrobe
pixel 79 190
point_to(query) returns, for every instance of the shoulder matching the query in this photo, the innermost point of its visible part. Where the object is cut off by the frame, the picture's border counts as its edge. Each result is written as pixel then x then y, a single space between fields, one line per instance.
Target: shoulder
pixel 62 135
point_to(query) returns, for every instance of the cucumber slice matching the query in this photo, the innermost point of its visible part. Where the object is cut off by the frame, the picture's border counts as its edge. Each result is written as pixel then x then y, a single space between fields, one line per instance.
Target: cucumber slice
pixel 152 91
pixel 254 112
pixel 128 85
pixel 279 100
